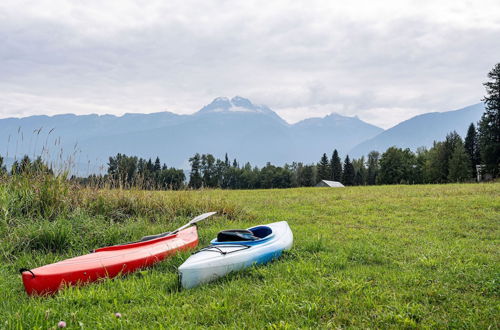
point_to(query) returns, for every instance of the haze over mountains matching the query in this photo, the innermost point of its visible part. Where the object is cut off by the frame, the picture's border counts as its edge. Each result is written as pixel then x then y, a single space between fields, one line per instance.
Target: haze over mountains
pixel 422 130
pixel 246 131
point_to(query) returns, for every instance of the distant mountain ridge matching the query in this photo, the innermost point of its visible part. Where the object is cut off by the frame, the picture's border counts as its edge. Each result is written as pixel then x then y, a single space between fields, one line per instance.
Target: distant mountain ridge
pixel 244 130
pixel 422 130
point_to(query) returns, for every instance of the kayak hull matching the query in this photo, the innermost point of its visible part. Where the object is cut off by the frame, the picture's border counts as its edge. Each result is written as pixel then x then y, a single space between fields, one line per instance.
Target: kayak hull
pixel 107 262
pixel 222 258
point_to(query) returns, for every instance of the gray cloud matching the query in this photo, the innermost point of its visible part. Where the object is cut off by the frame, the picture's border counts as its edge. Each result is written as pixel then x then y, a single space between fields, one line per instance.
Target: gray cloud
pixel 384 64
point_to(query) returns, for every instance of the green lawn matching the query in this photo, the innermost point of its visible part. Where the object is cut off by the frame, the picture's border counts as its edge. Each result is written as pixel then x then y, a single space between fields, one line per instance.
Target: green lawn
pixel 379 257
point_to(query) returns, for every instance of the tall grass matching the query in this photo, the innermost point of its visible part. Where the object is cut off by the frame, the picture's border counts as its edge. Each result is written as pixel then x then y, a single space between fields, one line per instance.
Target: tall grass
pixel 32 195
pixel 41 211
pixel 47 196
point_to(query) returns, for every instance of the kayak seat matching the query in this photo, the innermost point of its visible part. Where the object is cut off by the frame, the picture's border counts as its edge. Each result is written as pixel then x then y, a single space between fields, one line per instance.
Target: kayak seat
pixel 236 235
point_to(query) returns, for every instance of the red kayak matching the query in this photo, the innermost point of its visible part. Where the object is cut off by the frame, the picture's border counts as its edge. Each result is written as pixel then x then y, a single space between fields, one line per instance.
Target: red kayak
pixel 107 262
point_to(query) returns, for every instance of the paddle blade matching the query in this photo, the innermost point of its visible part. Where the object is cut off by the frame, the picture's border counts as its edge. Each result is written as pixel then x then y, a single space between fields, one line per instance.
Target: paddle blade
pixel 201 217
pixel 195 220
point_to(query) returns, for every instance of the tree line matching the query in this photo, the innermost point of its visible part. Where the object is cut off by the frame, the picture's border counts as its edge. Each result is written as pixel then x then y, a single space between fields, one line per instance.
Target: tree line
pixel 210 172
pixel 131 171
pixel 25 166
pixel 451 160
pixel 134 172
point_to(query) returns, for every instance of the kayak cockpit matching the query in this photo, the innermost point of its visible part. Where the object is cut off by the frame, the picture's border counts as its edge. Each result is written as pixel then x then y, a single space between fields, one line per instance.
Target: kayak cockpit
pixel 251 236
pixel 261 231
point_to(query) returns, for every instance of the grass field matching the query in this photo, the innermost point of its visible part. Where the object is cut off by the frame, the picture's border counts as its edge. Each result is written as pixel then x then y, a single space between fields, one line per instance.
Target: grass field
pixel 378 257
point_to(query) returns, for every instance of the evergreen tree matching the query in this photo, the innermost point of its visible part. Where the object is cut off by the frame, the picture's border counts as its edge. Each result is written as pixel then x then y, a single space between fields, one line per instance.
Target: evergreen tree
pixel 14 168
pixel 122 170
pixel 147 173
pixel 247 177
pixel 128 170
pixel 323 168
pixel 208 170
pixel 336 167
pixel 141 167
pixel 472 149
pixel 449 147
pixel 489 125
pixel 204 173
pixel 157 165
pixel 226 173
pixel 195 180
pixel 219 171
pixel 25 165
pixel 113 164
pixel 234 177
pixel 373 167
pixel 3 169
pixel 348 174
pixel 38 166
pixel 459 170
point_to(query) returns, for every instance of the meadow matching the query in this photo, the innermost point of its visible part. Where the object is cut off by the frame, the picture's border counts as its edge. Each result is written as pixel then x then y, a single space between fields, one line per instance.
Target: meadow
pixel 422 256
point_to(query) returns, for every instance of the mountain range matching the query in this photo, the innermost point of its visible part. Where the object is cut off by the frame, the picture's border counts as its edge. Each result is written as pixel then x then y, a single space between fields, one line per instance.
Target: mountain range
pixel 246 131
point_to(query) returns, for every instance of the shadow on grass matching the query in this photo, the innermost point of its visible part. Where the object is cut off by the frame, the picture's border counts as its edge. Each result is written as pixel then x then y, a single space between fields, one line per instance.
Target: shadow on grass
pixel 254 274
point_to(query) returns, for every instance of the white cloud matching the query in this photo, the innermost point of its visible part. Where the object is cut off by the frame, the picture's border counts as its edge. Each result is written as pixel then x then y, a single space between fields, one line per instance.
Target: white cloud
pixel 382 62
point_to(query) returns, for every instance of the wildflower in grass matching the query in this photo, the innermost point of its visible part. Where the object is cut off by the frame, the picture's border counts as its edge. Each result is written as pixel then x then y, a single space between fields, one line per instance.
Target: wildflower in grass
pixel 61 324
pixel 118 315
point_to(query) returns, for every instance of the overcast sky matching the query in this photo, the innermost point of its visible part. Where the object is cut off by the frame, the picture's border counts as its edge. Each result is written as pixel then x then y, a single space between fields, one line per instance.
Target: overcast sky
pixel 384 61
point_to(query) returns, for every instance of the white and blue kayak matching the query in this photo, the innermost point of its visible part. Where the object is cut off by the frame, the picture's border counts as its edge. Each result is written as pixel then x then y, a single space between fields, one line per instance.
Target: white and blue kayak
pixel 234 250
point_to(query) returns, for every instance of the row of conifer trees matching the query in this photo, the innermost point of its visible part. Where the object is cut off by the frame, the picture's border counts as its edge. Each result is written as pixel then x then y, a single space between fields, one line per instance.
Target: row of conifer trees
pixel 450 160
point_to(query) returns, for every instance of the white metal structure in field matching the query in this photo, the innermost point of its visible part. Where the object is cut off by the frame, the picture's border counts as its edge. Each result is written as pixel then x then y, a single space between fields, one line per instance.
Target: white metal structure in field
pixel 331 184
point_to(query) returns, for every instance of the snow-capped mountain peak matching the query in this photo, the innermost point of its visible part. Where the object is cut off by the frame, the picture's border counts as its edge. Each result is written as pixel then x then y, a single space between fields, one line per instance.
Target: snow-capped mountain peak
pixel 236 104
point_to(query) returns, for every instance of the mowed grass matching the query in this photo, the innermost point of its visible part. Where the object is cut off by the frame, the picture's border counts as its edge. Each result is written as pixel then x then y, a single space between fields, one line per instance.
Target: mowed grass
pixel 379 257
